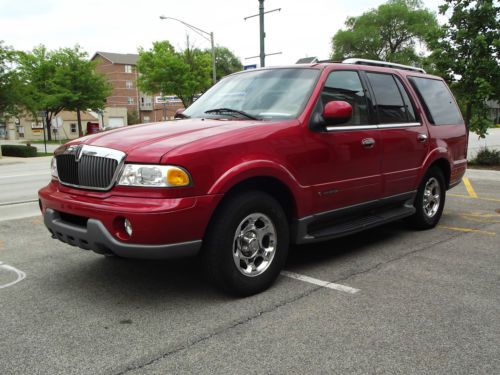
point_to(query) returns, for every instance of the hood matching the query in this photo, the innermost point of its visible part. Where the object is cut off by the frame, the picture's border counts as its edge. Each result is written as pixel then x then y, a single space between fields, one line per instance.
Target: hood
pixel 147 143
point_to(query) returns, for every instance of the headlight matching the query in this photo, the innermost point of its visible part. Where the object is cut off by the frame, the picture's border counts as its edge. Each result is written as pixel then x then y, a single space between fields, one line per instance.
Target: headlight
pixel 154 176
pixel 53 168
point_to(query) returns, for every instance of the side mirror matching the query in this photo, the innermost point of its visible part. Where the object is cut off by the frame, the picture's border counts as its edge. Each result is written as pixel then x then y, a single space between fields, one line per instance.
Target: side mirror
pixel 179 114
pixel 337 112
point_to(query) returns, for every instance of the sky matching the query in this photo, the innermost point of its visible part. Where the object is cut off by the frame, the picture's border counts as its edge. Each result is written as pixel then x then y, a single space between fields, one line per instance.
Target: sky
pixel 301 29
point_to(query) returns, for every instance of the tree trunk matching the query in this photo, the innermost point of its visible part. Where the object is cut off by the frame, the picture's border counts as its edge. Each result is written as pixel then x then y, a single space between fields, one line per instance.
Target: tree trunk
pixel 48 126
pixel 79 119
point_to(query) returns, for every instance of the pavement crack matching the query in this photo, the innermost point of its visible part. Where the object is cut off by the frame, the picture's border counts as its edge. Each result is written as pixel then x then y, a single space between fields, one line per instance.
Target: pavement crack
pixel 218 332
pixel 381 264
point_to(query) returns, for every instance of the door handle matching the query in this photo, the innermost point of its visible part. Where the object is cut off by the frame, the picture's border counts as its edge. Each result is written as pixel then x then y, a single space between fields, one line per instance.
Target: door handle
pixel 422 137
pixel 368 142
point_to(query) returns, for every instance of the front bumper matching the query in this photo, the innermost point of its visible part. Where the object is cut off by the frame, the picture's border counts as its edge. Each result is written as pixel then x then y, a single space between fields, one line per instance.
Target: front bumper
pixel 94 236
pixel 162 228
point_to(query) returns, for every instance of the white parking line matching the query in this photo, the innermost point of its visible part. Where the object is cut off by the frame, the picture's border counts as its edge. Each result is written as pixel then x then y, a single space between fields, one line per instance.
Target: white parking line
pixel 325 284
pixel 20 274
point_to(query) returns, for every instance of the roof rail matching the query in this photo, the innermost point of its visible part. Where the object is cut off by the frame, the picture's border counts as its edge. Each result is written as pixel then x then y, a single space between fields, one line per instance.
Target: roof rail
pixel 382 63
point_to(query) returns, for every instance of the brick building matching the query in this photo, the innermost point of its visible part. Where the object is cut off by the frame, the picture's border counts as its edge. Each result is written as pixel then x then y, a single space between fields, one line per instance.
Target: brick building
pixel 120 71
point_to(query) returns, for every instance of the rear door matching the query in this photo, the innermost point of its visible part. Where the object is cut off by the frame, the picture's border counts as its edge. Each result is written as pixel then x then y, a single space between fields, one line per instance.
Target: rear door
pixel 404 138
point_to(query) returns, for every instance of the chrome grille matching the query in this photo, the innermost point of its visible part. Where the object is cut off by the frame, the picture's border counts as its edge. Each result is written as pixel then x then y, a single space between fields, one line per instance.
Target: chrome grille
pixel 89 167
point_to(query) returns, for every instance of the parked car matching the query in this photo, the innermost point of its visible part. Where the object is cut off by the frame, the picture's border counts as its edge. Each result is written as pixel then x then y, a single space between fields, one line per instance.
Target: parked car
pixel 263 159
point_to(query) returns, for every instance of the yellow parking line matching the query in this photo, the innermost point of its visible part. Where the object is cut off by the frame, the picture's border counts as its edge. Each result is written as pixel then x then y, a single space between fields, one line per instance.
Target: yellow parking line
pixel 469 197
pixel 469 187
pixel 479 220
pixel 468 230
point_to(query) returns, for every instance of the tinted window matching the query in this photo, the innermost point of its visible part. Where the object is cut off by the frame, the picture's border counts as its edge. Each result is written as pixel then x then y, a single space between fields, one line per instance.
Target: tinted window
pixel 439 104
pixel 410 111
pixel 346 85
pixel 390 105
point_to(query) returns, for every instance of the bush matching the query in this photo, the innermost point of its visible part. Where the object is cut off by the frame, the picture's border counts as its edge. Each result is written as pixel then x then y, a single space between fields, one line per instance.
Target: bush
pixel 486 156
pixel 19 151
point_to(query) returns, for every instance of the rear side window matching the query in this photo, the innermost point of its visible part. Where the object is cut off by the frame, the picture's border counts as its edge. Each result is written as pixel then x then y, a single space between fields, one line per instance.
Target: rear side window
pixel 390 105
pixel 438 102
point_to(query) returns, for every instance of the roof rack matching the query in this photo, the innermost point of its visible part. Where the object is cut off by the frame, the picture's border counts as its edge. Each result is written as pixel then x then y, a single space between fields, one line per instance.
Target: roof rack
pixel 382 63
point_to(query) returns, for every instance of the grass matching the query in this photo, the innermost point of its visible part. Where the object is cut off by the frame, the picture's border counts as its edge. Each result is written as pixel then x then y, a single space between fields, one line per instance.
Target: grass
pixel 44 154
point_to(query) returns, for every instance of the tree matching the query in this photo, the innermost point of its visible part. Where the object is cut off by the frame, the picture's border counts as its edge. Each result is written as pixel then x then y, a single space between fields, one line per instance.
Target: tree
pixel 389 33
pixel 184 74
pixel 88 89
pixel 133 117
pixel 42 91
pixel 10 85
pixel 467 54
pixel 58 80
pixel 226 62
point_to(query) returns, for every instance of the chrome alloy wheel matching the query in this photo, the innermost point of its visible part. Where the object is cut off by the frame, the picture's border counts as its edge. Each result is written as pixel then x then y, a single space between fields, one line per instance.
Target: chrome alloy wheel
pixel 432 197
pixel 254 244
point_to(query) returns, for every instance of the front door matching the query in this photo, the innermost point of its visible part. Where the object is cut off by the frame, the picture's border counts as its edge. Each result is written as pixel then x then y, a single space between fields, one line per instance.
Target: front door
pixel 349 170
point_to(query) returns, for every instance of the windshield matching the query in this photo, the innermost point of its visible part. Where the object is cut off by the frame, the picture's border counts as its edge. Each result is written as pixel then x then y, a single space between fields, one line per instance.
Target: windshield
pixel 261 94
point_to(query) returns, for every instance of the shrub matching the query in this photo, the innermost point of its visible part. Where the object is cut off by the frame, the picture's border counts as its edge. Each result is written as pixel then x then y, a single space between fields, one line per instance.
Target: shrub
pixel 19 151
pixel 486 156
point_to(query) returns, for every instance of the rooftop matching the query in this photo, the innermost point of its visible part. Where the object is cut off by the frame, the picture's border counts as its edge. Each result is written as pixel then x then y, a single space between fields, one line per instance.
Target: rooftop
pixel 118 58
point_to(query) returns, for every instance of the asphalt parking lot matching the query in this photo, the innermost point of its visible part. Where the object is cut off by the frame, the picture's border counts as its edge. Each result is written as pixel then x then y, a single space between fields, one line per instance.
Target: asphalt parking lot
pixel 421 302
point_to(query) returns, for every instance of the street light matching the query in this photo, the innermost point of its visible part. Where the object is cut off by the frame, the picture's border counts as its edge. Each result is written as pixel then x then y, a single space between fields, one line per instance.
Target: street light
pixel 199 32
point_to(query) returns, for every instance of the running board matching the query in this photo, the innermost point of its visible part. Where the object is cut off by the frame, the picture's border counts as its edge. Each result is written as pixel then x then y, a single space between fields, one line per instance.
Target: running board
pixel 353 225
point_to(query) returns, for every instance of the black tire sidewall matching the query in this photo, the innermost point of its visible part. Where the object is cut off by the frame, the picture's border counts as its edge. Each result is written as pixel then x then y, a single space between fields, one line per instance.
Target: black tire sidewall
pixel 219 243
pixel 421 220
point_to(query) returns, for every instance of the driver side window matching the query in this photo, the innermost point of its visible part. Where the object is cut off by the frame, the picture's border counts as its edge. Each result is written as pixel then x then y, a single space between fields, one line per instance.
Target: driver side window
pixel 346 85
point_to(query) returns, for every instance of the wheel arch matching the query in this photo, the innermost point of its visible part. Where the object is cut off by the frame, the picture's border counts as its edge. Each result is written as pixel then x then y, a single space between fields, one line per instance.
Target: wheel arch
pixel 444 165
pixel 438 158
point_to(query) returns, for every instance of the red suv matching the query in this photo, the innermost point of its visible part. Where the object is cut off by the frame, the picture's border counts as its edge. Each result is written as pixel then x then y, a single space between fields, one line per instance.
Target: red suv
pixel 263 159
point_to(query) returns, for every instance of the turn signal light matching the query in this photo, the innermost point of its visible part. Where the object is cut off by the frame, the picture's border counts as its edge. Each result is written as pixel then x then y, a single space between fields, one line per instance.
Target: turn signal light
pixel 177 177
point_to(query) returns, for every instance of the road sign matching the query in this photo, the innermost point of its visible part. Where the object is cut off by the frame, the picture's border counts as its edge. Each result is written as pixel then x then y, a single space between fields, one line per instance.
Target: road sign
pixel 56 122
pixel 247 67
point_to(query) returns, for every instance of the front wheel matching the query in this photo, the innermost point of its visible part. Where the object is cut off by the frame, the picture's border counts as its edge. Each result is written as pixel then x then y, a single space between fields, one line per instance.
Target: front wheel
pixel 429 202
pixel 246 244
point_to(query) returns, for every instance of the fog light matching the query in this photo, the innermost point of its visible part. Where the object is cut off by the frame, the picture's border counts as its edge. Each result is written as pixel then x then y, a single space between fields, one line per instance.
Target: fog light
pixel 128 227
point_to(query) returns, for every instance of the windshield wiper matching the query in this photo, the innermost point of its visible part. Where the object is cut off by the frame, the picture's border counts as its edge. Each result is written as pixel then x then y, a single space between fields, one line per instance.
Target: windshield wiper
pixel 230 110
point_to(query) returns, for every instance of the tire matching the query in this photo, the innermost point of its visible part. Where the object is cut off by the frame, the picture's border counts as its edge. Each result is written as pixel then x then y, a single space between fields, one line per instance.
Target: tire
pixel 429 211
pixel 246 244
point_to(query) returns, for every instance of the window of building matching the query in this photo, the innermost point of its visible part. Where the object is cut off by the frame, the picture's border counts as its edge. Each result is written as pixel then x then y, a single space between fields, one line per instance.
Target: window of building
pixel 346 85
pixel 146 119
pixel 72 128
pixel 129 84
pixel 130 100
pixel 439 105
pixel 128 68
pixel 389 102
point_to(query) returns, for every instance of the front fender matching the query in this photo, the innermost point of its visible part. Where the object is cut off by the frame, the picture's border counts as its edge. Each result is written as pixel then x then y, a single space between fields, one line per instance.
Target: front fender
pixel 262 168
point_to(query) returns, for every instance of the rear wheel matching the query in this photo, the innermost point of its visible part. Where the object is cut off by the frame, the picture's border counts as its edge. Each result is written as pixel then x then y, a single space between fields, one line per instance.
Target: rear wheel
pixel 429 202
pixel 247 243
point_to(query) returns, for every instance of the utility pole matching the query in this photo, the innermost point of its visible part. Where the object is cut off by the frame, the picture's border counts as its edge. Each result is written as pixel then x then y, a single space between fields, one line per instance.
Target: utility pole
pixel 262 34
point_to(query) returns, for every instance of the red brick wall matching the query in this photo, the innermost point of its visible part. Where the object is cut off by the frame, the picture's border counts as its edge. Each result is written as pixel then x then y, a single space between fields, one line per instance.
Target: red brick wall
pixel 116 76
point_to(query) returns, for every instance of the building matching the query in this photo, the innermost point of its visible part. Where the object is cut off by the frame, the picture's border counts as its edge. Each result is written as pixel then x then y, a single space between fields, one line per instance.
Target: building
pixel 28 128
pixel 121 72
